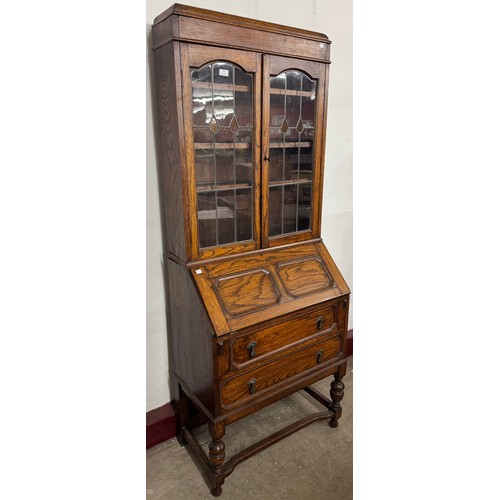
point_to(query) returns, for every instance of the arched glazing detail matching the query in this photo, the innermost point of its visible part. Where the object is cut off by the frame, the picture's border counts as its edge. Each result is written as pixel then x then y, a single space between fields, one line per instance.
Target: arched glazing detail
pixel 223 143
pixel 291 146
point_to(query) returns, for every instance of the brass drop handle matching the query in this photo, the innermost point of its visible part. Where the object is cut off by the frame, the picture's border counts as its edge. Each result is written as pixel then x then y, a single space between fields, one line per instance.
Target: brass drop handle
pixel 319 322
pixel 251 349
pixel 319 356
pixel 266 158
pixel 251 386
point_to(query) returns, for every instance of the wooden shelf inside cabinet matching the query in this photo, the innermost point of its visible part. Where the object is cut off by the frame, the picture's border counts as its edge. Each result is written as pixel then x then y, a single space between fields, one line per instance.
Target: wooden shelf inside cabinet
pixel 290 92
pixel 246 88
pixel 222 145
pixel 222 187
pixel 289 181
pixel 307 144
pixel 221 86
pixel 259 310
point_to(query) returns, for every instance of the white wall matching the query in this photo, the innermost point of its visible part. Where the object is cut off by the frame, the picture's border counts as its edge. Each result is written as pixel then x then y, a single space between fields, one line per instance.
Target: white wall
pixel 332 17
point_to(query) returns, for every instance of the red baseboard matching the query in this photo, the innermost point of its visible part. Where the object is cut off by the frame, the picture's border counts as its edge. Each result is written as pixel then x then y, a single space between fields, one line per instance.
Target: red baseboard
pixel 160 425
pixel 160 422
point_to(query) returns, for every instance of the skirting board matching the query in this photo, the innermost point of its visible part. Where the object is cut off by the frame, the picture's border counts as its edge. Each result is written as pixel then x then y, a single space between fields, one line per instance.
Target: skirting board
pixel 160 422
pixel 160 425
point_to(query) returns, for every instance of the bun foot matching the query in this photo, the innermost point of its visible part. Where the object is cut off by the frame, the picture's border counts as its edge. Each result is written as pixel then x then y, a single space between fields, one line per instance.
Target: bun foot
pixel 216 492
pixel 333 423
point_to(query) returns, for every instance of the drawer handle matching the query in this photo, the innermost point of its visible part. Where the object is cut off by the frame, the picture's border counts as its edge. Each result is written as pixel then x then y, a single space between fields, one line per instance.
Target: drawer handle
pixel 319 322
pixel 251 349
pixel 319 356
pixel 251 386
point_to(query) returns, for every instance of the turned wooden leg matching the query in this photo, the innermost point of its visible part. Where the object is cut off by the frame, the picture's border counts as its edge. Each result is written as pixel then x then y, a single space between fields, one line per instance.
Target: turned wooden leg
pixel 337 393
pixel 217 454
pixel 182 415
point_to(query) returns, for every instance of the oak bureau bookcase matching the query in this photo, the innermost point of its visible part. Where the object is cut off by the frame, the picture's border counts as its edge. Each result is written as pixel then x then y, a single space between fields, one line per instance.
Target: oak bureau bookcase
pixel 258 308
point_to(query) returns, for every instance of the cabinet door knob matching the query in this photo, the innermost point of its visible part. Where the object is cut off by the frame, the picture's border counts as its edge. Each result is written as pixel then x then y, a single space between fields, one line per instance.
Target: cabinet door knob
pixel 319 322
pixel 251 386
pixel 251 349
pixel 319 356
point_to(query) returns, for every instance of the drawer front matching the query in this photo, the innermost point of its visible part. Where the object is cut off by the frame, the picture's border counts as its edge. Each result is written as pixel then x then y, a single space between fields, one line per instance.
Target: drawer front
pixel 257 346
pixel 255 382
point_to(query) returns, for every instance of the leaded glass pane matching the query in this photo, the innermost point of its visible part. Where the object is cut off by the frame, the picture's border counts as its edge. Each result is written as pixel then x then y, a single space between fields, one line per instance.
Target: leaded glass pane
pixel 291 145
pixel 290 208
pixel 275 210
pixel 223 142
pixel 226 219
pixel 244 211
pixel 304 208
pixel 204 164
pixel 207 219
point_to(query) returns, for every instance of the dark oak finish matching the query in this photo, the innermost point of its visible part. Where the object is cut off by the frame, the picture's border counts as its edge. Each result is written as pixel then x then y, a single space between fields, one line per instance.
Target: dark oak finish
pixel 258 308
pixel 223 30
pixel 279 285
pixel 240 388
pixel 268 341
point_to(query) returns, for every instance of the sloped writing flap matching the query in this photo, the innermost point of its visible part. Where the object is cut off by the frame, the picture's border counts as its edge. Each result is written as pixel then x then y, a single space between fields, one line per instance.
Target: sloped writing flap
pixel 241 292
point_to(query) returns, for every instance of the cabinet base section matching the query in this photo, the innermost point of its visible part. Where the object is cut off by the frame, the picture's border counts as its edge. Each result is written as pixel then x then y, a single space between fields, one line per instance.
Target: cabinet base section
pixel 160 422
pixel 216 466
pixel 219 478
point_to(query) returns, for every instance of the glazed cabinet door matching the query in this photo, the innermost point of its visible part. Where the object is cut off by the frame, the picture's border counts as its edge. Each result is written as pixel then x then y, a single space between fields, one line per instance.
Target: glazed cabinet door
pixel 293 125
pixel 221 99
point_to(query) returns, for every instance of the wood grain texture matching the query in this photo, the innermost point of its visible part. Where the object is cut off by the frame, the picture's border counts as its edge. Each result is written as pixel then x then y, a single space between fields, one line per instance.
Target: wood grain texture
pixel 278 64
pixel 236 390
pixel 334 270
pixel 206 31
pixel 250 254
pixel 278 241
pixel 223 18
pixel 160 423
pixel 304 276
pixel 163 31
pixel 266 100
pixel 259 259
pixel 211 302
pixel 321 149
pixel 192 341
pixel 274 65
pixel 197 56
pixel 254 321
pixel 280 391
pixel 247 292
pixel 312 287
pixel 319 157
pixel 189 168
pixel 280 338
pixel 171 177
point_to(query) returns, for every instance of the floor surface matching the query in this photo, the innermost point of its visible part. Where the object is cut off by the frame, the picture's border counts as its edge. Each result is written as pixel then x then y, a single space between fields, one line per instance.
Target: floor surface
pixel 314 463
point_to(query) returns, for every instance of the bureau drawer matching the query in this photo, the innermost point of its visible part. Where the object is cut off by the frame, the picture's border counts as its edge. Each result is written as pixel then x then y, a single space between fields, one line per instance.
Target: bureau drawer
pixel 254 382
pixel 261 344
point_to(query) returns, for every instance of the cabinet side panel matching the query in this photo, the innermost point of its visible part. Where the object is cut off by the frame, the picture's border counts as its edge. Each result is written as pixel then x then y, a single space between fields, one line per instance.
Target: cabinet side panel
pixel 169 113
pixel 191 336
